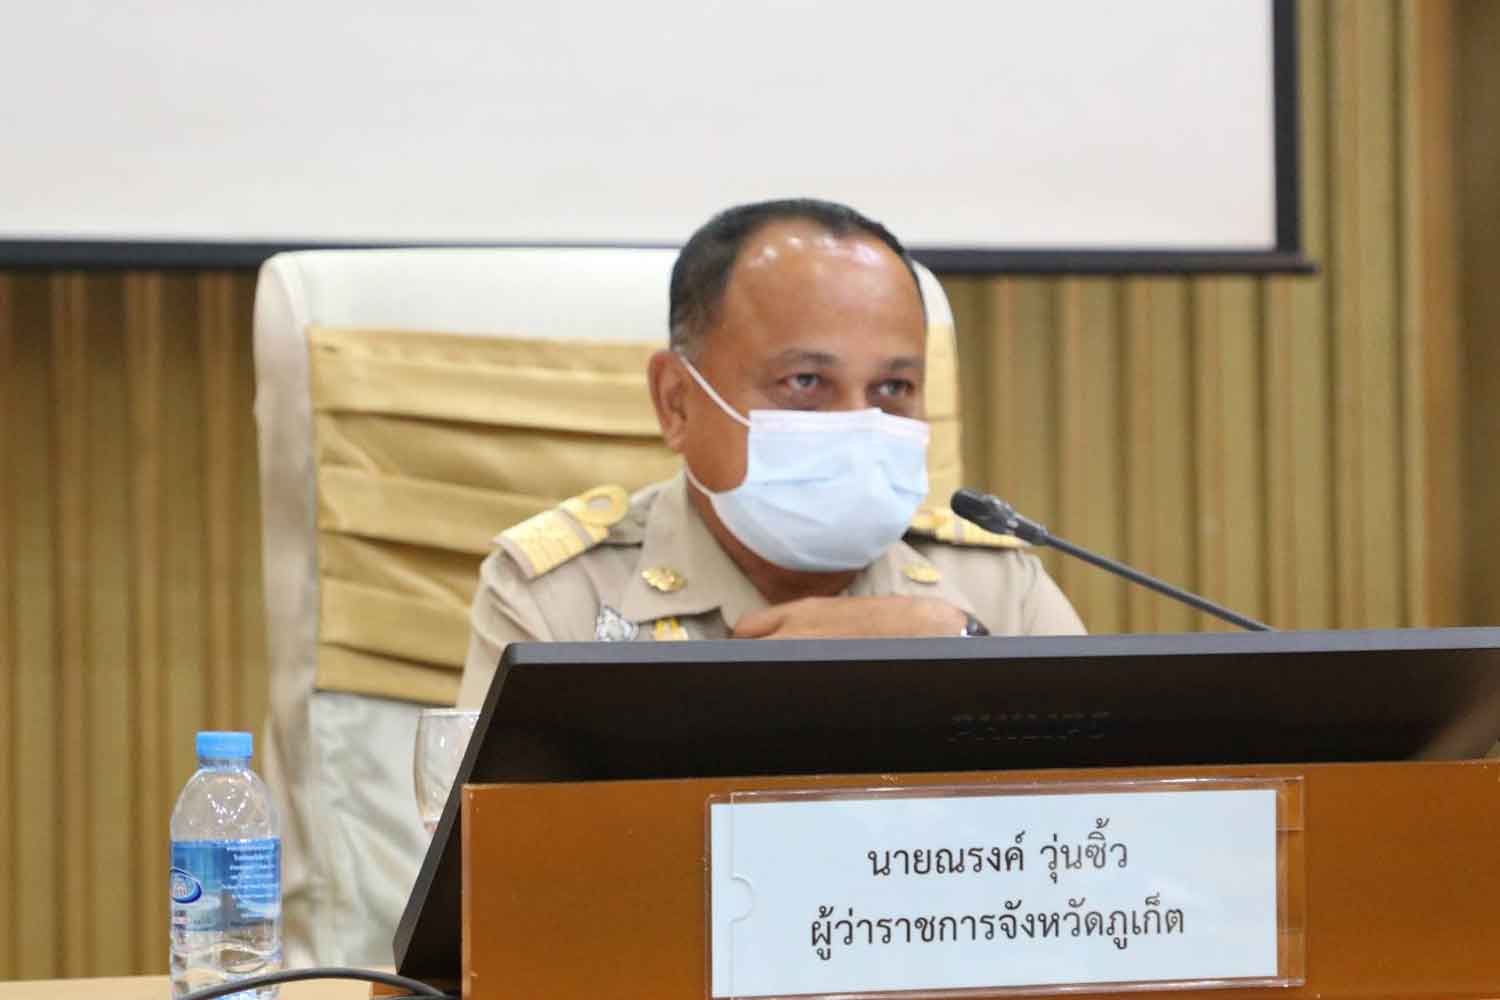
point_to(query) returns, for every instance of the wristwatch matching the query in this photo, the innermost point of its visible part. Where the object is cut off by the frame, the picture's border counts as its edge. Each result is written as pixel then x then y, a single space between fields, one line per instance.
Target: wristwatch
pixel 973 627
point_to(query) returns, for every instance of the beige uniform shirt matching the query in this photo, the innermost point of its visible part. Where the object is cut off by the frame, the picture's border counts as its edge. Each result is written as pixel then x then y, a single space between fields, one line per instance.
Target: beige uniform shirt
pixel 658 574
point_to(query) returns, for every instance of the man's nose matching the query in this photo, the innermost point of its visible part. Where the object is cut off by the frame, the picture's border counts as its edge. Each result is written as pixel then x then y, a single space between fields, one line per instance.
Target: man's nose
pixel 850 397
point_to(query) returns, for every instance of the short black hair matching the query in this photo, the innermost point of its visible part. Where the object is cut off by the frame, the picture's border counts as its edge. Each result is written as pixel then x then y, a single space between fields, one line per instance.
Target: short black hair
pixel 701 273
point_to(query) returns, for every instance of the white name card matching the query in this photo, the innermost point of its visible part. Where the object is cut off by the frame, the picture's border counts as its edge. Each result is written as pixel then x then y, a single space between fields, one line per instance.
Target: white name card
pixel 946 890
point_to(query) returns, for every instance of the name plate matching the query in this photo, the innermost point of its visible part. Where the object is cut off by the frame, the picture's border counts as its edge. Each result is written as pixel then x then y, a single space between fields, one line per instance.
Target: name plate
pixel 1020 888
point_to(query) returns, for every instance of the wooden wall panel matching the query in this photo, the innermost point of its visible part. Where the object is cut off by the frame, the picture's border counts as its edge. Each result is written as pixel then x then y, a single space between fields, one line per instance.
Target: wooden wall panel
pixel 144 341
pixel 1242 523
pixel 1166 452
pixel 35 910
pixel 1306 394
pixel 1432 320
pixel 1286 445
pixel 10 806
pixel 129 595
pixel 70 406
pixel 1477 96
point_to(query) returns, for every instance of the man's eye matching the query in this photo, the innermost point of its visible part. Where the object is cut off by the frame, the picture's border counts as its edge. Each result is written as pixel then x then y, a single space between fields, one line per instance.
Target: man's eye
pixel 895 388
pixel 805 381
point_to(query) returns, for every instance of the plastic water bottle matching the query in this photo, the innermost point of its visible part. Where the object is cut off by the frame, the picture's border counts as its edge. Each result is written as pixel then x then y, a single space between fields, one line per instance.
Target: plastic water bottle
pixel 226 872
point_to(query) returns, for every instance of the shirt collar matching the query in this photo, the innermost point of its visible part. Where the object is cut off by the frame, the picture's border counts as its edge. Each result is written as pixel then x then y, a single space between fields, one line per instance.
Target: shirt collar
pixel 676 538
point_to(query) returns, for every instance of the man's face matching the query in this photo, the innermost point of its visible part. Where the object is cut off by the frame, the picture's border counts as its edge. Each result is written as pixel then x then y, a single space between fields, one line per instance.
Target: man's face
pixel 809 321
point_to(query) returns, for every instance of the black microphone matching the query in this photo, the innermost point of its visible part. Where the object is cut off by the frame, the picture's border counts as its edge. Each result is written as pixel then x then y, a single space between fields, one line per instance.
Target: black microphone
pixel 993 514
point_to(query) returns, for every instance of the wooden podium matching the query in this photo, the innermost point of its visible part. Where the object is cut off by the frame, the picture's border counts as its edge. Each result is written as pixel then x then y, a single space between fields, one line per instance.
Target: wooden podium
pixel 587 876
pixel 593 890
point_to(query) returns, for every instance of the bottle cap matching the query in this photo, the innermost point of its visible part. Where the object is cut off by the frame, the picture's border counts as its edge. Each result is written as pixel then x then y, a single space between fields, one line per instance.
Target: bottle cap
pixel 233 746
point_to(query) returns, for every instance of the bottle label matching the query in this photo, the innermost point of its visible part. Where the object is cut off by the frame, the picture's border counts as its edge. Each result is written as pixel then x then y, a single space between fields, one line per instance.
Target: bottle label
pixel 223 884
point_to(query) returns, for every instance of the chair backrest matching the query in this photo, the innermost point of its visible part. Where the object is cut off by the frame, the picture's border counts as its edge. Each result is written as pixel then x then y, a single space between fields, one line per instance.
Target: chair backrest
pixel 410 405
pixel 413 403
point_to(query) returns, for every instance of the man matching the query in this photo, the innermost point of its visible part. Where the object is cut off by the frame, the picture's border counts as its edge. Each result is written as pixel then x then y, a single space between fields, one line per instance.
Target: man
pixel 793 389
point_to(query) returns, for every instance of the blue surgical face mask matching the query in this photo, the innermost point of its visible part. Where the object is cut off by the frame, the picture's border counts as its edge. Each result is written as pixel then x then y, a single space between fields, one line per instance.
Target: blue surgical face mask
pixel 824 491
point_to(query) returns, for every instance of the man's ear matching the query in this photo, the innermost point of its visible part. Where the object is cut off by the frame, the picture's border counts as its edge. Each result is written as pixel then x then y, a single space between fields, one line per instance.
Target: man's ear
pixel 669 389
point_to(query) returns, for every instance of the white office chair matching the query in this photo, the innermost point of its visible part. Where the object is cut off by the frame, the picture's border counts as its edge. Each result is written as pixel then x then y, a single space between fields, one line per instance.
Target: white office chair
pixel 411 404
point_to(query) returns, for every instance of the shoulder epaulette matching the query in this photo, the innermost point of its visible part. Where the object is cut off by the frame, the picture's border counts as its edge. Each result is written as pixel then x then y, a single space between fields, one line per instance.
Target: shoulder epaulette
pixel 545 541
pixel 941 524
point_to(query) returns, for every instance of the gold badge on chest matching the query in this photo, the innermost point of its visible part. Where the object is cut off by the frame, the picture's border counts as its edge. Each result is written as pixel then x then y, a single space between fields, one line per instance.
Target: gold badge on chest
pixel 664 579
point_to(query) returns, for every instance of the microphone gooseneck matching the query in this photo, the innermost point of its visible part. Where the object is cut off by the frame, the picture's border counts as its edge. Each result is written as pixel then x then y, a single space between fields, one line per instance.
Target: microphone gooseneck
pixel 985 510
pixel 993 514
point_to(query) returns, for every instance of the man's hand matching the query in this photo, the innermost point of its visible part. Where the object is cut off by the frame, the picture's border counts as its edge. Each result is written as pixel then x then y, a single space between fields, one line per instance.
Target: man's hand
pixel 851 617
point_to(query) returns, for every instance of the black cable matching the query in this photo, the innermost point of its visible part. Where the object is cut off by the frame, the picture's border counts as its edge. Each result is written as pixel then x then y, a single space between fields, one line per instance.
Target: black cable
pixel 412 986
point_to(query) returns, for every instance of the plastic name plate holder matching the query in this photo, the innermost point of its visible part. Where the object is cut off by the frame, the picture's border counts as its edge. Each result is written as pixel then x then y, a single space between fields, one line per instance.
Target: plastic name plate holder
pixel 1007 890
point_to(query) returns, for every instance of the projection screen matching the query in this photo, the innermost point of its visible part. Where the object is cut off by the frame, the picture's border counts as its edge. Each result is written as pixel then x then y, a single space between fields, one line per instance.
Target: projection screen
pixel 1049 135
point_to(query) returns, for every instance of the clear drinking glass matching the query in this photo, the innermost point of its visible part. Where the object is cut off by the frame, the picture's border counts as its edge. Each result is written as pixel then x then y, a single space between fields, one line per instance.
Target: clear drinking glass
pixel 442 736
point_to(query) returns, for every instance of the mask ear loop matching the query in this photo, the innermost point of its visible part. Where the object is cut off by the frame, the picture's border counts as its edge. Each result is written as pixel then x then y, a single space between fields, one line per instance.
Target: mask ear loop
pixel 703 384
pixel 694 481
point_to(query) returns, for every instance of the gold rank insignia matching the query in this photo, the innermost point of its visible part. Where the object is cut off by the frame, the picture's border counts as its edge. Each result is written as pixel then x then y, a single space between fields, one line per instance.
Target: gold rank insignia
pixel 941 524
pixel 544 542
pixel 668 630
pixel 664 579
pixel 921 573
